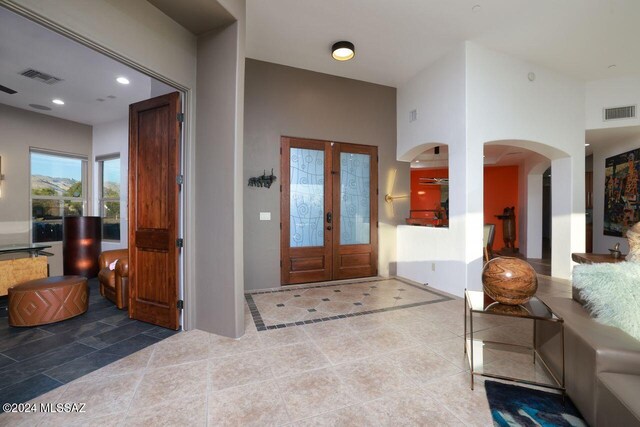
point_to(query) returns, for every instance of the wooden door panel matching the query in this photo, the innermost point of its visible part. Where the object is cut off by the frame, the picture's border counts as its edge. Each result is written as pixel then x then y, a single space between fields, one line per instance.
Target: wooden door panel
pixel 153 269
pixel 154 164
pixel 304 262
pixel 355 260
pixel 153 160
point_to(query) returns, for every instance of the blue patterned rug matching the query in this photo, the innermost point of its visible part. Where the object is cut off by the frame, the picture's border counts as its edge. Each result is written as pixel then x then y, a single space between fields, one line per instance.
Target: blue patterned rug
pixel 520 406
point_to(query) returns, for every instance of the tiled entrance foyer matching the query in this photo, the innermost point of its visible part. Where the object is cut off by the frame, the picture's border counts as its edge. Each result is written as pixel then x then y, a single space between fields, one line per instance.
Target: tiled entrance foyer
pixel 396 367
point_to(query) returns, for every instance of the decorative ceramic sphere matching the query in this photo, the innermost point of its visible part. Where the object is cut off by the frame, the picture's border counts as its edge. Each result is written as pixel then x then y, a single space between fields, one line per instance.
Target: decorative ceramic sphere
pixel 510 281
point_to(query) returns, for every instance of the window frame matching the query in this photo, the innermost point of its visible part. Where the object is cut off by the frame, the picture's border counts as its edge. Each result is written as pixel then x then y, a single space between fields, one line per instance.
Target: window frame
pixel 101 199
pixel 61 199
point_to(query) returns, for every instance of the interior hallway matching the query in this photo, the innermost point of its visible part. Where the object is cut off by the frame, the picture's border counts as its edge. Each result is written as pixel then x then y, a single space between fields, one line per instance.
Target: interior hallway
pixel 394 367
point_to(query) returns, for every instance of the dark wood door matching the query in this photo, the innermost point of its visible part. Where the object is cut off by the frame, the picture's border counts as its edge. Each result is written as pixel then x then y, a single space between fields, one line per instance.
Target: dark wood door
pixel 305 209
pixel 355 203
pixel 154 164
pixel 328 206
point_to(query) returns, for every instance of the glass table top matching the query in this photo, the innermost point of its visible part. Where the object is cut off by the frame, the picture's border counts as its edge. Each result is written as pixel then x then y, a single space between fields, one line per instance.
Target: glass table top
pixel 23 247
pixel 479 302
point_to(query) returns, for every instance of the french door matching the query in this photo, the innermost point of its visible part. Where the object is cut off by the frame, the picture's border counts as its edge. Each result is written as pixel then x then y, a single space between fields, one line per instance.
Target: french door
pixel 329 211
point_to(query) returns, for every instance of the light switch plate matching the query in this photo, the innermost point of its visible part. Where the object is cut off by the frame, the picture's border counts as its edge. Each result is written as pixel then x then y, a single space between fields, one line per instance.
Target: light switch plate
pixel 265 216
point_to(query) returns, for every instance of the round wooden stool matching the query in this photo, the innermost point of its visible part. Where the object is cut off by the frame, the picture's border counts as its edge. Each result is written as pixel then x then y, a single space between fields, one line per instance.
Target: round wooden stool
pixel 48 300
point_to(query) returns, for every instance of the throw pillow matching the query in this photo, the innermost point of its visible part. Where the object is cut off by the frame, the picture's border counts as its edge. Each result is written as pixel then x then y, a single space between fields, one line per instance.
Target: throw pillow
pixel 612 293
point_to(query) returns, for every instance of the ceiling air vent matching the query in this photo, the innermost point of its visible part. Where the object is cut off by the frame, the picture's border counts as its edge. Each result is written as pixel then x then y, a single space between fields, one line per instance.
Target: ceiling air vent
pixel 617 113
pixel 7 90
pixel 40 76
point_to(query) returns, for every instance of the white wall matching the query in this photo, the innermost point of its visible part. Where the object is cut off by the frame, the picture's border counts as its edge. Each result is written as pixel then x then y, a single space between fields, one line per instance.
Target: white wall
pixel 609 93
pixel 436 255
pixel 530 189
pixel 549 112
pixel 112 138
pixel 498 103
pixel 602 243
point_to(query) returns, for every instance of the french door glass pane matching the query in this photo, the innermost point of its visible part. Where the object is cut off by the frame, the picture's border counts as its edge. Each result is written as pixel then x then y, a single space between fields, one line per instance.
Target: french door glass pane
pixel 355 214
pixel 306 200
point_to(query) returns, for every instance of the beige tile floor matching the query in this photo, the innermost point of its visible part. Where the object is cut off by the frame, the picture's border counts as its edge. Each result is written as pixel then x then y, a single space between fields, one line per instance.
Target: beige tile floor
pixel 402 367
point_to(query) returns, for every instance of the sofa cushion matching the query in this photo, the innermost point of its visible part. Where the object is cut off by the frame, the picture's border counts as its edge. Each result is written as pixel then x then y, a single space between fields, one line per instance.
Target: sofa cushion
pixel 612 292
pixel 591 348
pixel 618 402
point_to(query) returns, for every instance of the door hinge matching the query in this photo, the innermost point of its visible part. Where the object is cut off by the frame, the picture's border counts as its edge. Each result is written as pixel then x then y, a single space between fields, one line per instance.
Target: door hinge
pixel 280 226
pixel 180 117
pixel 280 263
pixel 281 188
pixel 180 304
pixel 180 179
pixel 180 242
pixel 377 193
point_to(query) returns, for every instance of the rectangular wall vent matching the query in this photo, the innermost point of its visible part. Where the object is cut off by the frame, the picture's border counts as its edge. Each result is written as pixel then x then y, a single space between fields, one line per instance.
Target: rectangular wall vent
pixel 40 76
pixel 616 113
pixel 413 115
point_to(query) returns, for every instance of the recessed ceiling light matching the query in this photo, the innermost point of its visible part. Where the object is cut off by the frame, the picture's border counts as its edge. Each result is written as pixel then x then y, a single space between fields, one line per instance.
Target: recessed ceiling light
pixel 612 66
pixel 343 51
pixel 417 161
pixel 587 144
pixel 476 8
pixel 58 101
pixel 123 80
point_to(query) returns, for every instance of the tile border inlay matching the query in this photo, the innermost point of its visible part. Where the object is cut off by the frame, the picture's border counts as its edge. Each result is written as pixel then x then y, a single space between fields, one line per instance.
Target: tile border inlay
pixel 261 326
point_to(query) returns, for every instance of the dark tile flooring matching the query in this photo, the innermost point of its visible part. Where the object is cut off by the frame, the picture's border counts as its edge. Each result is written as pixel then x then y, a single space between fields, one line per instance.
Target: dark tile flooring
pixel 36 360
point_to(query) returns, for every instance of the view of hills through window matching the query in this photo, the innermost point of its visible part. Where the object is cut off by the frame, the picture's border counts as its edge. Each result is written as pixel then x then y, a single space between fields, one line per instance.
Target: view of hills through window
pixel 57 190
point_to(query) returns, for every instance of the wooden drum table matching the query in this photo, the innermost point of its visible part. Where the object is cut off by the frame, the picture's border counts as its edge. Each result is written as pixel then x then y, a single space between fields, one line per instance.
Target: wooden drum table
pixel 48 300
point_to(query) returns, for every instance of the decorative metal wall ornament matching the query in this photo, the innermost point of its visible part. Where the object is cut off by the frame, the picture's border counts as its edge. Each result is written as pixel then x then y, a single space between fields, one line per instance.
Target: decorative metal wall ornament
pixel 262 181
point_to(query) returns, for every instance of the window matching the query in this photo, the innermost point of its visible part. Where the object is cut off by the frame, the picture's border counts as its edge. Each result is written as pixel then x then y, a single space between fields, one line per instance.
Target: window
pixel 109 167
pixel 58 189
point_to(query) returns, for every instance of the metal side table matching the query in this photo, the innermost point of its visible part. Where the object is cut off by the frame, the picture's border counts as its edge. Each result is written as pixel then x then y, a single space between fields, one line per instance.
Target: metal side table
pixel 477 302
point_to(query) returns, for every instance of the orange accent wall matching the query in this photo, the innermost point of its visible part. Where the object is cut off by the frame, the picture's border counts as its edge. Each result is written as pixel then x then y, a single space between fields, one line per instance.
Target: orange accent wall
pixel 425 197
pixel 500 191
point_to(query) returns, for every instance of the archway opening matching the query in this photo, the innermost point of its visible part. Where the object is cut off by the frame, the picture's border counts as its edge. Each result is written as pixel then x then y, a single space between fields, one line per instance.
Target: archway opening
pixel 517 199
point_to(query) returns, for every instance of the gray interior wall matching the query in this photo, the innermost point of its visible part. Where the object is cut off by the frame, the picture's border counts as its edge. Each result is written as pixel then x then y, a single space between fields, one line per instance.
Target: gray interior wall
pixel 22 129
pixel 218 204
pixel 285 101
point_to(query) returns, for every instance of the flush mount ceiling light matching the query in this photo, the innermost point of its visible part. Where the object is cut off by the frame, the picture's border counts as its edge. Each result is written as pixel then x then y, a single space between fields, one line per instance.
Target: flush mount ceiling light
pixel 123 80
pixel 58 101
pixel 343 51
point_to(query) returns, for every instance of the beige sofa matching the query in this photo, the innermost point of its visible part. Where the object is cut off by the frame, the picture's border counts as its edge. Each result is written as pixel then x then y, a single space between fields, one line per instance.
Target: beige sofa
pixel 602 364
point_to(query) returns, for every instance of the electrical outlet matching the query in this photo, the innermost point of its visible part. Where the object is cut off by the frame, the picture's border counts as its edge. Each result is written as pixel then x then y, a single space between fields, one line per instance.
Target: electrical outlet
pixel 265 216
pixel 433 266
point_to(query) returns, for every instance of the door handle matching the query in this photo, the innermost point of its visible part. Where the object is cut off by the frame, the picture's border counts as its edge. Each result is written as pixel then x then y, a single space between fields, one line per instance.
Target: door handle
pixel 329 227
pixel 329 217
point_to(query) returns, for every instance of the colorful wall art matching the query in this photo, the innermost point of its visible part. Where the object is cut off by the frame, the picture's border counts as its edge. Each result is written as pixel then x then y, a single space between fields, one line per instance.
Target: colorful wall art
pixel 621 204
